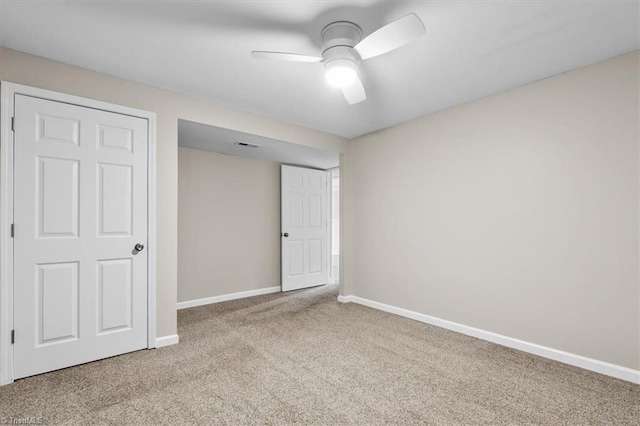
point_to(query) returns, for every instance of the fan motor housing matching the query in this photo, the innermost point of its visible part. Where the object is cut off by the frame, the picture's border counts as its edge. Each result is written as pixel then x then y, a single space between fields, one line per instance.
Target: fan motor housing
pixel 339 37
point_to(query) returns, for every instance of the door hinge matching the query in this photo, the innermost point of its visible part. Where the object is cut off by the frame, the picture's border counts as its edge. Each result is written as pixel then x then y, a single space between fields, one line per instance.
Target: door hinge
pixel 13 230
pixel 13 336
pixel 13 124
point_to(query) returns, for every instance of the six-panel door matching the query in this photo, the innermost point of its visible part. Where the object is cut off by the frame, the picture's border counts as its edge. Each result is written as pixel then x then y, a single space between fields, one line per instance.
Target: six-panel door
pixel 80 288
pixel 305 239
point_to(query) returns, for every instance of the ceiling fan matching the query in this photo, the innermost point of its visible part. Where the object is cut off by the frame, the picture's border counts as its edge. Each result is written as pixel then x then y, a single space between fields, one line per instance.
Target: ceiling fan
pixel 344 48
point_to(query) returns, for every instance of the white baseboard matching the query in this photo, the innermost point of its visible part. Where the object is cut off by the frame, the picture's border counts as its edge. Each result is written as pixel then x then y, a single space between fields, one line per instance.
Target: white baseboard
pixel 613 370
pixel 169 340
pixel 227 297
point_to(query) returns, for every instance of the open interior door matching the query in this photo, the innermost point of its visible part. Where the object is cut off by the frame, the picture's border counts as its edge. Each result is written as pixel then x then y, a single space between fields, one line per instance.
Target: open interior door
pixel 305 228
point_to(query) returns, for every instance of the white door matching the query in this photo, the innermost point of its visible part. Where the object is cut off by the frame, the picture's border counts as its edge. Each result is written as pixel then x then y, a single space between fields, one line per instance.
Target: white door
pixel 80 207
pixel 305 228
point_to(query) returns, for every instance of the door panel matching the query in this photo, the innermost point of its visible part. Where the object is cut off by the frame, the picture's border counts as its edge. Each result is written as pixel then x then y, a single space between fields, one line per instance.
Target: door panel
pixel 58 129
pixel 57 191
pixel 57 302
pixel 315 256
pixel 115 192
pixel 115 138
pixel 315 210
pixel 80 206
pixel 115 293
pixel 295 209
pixel 296 257
pixel 305 231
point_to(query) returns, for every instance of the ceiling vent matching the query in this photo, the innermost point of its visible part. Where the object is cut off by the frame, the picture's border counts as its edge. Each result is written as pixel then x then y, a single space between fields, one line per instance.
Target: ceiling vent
pixel 247 144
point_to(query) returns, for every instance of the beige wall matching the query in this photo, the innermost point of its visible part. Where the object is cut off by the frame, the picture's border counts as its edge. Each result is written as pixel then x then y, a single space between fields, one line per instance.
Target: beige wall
pixel 517 214
pixel 39 72
pixel 228 224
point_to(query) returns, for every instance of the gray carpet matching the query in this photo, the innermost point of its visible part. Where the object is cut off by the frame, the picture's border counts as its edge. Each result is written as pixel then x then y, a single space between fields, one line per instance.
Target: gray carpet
pixel 302 357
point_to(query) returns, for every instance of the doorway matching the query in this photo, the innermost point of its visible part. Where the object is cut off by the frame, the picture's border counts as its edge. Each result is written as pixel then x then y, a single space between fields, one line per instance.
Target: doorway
pixel 229 212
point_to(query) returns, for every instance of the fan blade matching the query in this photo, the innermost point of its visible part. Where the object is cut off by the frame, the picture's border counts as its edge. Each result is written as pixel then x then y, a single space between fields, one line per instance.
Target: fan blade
pixel 354 93
pixel 391 36
pixel 280 56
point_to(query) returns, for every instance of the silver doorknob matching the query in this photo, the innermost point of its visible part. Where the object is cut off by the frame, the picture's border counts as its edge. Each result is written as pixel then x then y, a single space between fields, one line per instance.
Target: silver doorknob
pixel 138 247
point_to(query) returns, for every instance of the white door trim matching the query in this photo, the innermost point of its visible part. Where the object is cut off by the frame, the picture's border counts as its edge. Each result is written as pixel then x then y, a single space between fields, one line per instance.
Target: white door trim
pixel 330 225
pixel 7 96
pixel 332 280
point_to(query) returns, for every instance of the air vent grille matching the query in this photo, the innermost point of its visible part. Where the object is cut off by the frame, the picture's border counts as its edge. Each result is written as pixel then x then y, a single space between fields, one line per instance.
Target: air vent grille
pixel 247 144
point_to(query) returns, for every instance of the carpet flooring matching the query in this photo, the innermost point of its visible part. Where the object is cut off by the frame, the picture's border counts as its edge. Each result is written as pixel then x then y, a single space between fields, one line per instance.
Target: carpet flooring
pixel 302 357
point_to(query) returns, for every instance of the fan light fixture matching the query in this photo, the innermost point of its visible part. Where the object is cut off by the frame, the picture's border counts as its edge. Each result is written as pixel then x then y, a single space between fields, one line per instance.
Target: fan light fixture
pixel 344 48
pixel 340 72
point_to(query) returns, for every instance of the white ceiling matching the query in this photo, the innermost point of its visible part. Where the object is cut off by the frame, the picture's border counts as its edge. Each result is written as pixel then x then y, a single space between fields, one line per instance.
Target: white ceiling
pixel 472 49
pixel 218 139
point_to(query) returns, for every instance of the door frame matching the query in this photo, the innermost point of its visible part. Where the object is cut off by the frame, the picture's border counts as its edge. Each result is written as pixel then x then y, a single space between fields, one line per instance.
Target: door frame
pixel 332 280
pixel 8 91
